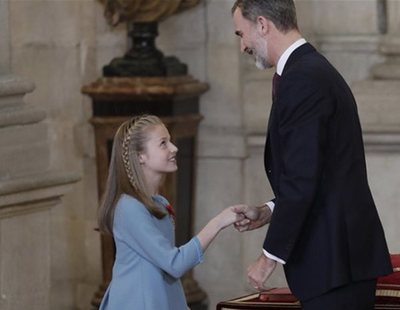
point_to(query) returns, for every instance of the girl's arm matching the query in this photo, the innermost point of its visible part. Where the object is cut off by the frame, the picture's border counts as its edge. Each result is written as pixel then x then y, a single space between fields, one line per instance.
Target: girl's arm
pixel 215 225
pixel 137 229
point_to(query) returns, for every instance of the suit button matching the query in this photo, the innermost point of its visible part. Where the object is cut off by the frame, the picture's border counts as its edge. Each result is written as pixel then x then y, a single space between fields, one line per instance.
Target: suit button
pixel 269 171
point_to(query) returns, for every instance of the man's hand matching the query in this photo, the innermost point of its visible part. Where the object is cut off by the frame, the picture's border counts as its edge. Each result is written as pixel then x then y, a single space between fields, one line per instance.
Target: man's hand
pixel 255 217
pixel 259 272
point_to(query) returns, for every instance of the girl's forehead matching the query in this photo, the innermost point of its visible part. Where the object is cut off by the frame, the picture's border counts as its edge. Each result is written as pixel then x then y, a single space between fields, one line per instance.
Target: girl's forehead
pixel 157 131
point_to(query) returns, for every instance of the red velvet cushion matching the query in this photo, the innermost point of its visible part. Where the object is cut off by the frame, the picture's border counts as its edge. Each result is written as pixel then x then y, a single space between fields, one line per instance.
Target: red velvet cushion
pixel 393 278
pixel 388 287
pixel 282 294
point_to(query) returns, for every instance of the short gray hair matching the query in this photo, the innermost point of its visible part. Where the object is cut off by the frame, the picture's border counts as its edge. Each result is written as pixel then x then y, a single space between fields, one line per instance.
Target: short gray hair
pixel 281 12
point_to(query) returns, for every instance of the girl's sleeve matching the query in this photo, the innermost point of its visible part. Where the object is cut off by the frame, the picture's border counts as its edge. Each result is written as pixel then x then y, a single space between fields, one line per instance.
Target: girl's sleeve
pixel 135 226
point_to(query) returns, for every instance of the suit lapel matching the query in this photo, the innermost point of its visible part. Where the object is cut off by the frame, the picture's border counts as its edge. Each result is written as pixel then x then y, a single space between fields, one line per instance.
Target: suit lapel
pixel 297 54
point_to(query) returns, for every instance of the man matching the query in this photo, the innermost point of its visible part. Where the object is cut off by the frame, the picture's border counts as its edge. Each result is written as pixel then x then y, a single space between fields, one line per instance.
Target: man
pixel 324 226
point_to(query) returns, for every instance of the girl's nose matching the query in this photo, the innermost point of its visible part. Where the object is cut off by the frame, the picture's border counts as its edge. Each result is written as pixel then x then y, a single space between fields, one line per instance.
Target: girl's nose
pixel 173 148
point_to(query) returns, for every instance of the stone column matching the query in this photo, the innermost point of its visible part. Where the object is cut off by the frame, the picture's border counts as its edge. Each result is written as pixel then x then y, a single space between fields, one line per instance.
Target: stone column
pixel 5 38
pixel 379 108
pixel 349 40
pixel 390 43
pixel 27 189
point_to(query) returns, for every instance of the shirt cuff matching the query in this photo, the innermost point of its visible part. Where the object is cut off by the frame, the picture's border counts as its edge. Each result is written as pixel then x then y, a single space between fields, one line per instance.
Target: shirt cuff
pixel 271 205
pixel 273 257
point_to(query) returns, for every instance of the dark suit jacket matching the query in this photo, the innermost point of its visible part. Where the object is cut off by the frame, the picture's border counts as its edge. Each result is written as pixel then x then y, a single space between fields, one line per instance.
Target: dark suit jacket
pixel 325 224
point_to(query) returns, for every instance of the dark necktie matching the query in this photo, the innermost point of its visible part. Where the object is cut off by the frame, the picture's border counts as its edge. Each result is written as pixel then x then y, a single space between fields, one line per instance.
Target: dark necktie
pixel 275 83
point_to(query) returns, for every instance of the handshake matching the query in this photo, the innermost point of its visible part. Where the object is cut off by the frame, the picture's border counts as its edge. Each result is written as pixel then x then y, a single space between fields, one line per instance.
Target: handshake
pixel 244 217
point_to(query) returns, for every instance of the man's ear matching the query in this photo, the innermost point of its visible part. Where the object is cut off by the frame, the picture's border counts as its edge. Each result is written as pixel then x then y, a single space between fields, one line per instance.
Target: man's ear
pixel 262 25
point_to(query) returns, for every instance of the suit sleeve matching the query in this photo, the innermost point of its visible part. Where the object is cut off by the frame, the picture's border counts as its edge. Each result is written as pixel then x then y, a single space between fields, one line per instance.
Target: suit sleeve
pixel 134 224
pixel 303 111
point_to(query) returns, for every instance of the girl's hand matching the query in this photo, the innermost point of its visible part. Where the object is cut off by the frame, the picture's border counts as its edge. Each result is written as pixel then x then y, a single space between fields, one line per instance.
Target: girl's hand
pixel 254 217
pixel 228 217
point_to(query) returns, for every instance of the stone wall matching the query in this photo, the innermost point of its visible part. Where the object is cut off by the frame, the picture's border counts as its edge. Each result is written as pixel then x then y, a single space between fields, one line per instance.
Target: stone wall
pixel 53 45
pixel 62 45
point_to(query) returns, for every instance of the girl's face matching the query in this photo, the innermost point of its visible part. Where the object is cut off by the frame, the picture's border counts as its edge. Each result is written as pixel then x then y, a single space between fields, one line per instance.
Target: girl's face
pixel 159 156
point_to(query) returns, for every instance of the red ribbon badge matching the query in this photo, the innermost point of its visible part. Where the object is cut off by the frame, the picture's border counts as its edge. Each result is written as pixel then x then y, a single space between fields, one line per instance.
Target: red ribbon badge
pixel 171 211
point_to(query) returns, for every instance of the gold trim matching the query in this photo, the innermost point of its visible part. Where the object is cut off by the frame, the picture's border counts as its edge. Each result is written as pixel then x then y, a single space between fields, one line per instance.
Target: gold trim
pixel 246 298
pixel 387 293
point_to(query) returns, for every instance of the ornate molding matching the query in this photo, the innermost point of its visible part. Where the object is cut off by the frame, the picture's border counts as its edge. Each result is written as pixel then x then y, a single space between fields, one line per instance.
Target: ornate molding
pixel 13 89
pixel 11 117
pixel 382 141
pixel 34 190
pixel 351 43
pixel 375 141
pixel 146 87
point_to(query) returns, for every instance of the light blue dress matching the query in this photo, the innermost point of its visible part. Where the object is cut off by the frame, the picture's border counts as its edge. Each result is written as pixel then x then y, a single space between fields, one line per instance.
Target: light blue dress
pixel 148 265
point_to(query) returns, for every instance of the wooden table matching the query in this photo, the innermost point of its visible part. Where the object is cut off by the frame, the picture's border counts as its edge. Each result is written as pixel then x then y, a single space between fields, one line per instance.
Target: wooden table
pixel 284 300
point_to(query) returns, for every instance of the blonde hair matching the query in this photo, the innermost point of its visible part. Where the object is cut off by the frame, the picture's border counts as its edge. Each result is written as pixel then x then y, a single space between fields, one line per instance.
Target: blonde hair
pixel 125 174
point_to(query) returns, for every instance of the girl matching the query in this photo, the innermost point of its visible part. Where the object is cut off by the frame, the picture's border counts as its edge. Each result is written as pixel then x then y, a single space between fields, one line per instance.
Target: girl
pixel 147 265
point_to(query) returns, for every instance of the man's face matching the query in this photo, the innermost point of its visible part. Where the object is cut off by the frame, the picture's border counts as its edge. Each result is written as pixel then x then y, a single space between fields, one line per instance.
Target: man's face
pixel 251 42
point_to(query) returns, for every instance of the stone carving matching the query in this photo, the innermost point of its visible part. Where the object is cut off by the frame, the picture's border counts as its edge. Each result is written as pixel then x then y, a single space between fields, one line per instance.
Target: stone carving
pixel 144 59
pixel 142 11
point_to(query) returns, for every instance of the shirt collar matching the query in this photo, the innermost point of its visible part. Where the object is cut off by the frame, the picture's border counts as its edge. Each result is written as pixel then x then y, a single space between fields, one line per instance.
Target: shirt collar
pixel 285 56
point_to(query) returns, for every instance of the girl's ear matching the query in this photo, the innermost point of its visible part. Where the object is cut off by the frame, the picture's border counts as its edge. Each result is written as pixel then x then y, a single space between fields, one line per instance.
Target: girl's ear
pixel 141 158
